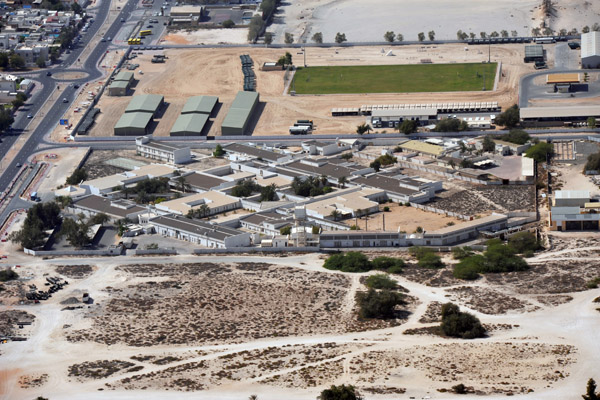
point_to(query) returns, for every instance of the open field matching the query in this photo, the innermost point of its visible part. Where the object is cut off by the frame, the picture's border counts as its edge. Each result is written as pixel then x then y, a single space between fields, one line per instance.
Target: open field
pixel 394 78
pixel 284 327
pixel 367 22
pixel 184 75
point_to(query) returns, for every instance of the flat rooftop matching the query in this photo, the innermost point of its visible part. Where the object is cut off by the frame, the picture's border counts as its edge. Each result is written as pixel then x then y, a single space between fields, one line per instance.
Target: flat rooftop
pixel 197 227
pixel 103 205
pixel 253 151
pixel 204 182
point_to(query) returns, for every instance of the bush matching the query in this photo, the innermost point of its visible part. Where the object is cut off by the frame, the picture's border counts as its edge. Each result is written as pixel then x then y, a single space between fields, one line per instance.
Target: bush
pixel 540 151
pixel 468 269
pixel 459 253
pixel 381 281
pixel 516 136
pixel 502 258
pixel 341 392
pixel 451 125
pixel 523 242
pixel 286 230
pixel 228 24
pixel 459 389
pixel 431 261
pixel 78 176
pixel 509 118
pixel 378 304
pixel 8 275
pixel 351 261
pixel 460 324
pixel 389 264
pixel 593 163
pixel 593 284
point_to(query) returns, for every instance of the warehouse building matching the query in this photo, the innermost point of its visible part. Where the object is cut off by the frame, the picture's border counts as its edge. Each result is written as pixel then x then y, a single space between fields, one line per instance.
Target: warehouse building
pixel 118 88
pixel 200 232
pixel 240 114
pixel 189 125
pixel 134 124
pixel 164 152
pixel 186 14
pixel 533 53
pixel 126 76
pixel 573 210
pixel 391 118
pixel 148 103
pixel 200 105
pixel 557 116
pixel 590 50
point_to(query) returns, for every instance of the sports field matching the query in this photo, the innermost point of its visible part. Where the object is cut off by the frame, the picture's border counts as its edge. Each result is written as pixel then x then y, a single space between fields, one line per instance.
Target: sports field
pixel 394 78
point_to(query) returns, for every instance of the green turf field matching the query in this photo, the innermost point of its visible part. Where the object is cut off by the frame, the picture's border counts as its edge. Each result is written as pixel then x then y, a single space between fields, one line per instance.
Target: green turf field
pixel 394 78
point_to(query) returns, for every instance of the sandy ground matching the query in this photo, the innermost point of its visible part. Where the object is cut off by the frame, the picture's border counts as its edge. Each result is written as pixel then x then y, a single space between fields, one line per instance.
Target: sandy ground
pixel 538 341
pixel 184 75
pixel 62 164
pixel 401 218
pixel 207 36
pixel 367 22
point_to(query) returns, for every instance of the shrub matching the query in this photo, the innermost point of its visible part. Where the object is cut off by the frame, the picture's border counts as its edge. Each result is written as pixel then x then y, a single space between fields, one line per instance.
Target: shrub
pixel 459 389
pixel 468 269
pixel 524 241
pixel 351 261
pixel 228 24
pixel 516 136
pixel 381 281
pixel 388 264
pixel 8 275
pixel 459 253
pixel 460 324
pixel 78 176
pixel 386 209
pixel 378 304
pixel 502 258
pixel 593 284
pixel 286 230
pixel 540 151
pixel 341 392
pixel 431 261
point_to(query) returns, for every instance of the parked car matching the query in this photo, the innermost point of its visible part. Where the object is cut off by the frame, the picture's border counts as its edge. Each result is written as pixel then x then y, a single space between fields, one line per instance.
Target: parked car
pixel 65 100
pixel 48 73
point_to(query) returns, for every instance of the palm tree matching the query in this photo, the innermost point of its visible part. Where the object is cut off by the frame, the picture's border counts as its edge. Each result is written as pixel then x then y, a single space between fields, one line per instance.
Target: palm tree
pixel 182 184
pixel 323 180
pixel 203 210
pixel 335 214
pixel 342 181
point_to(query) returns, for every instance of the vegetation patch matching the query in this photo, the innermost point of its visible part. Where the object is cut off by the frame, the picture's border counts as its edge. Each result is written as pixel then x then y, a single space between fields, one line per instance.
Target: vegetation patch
pixel 394 78
pixel 354 261
pixel 98 369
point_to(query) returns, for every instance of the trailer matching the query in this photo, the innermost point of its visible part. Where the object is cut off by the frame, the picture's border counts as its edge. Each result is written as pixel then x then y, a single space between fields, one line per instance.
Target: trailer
pixel 300 130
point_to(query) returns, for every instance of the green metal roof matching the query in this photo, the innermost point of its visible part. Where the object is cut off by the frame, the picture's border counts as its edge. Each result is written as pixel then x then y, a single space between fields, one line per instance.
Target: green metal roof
pixel 144 102
pixel 236 118
pixel 134 120
pixel 200 104
pixel 124 76
pixel 119 84
pixel 245 100
pixel 192 123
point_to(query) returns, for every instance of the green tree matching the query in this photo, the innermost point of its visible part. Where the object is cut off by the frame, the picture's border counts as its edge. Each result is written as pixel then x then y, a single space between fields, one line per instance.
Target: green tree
pixel 585 29
pixel 523 242
pixel 219 152
pixel 286 230
pixel 342 182
pixel 335 214
pixel 363 128
pixel 317 37
pixel 389 36
pixel 494 34
pixel 431 261
pixel 376 165
pixel 245 188
pixel 255 26
pixel 389 264
pixel 76 232
pixel 502 258
pixel 3 59
pixel 352 261
pixel 268 193
pixel 593 163
pixel 504 33
pixel 540 151
pixel 341 392
pixel 514 33
pixel 228 24
pixel 203 211
pixel 8 275
pixel 509 118
pixel 76 8
pixel 340 38
pixel 431 35
pixel 40 62
pixel 591 122
pixel 268 38
pixel 469 267
pixel 78 176
pixel 488 144
pixel 408 126
pixel 482 35
pixel 182 184
pixel 421 36
pixel 378 304
pixel 289 38
pixel 516 136
pixel 451 125
pixel 99 218
pixel 590 392
pixel 399 37
pixel 288 58
pixel 16 61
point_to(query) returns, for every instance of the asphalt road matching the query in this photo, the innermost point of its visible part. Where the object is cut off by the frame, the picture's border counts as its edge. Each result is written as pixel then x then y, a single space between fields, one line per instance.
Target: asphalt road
pixel 56 91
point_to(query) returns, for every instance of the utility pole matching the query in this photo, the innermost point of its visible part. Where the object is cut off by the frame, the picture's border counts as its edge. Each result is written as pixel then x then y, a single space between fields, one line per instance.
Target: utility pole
pixel 489 53
pixel 304 53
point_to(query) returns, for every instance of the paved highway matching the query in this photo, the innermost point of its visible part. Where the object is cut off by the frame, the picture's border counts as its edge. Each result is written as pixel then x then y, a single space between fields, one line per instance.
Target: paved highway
pixel 55 91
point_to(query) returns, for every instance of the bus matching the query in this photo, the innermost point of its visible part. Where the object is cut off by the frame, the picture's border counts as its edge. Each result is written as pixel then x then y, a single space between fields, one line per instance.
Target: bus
pixel 544 40
pixel 145 32
pixel 134 41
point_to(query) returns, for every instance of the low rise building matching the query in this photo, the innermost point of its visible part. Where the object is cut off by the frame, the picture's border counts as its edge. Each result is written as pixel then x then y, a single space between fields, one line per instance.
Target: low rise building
pixel 346 205
pixel 240 152
pixel 107 184
pixel 316 147
pixel 200 232
pixel 574 210
pixel 115 209
pixel 214 202
pixel 162 151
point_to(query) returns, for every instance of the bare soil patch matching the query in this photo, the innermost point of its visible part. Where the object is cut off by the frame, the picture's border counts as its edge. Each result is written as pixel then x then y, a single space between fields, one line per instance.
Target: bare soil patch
pixel 433 313
pixel 32 381
pixel 431 277
pixel 489 301
pixel 504 367
pixel 99 369
pixel 210 303
pixel 75 271
pixel 9 318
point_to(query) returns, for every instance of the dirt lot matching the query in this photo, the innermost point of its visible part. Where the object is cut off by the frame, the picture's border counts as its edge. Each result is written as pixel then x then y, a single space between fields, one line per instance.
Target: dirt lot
pixel 184 75
pixel 402 218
